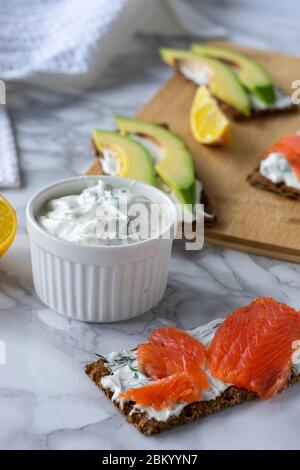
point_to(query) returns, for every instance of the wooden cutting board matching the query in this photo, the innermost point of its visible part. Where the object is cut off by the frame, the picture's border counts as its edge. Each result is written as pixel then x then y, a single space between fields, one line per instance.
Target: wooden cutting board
pixel 248 219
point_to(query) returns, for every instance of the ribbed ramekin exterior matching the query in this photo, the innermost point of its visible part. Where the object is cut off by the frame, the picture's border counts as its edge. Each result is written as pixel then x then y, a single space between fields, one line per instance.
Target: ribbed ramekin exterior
pixel 98 283
pixel 99 293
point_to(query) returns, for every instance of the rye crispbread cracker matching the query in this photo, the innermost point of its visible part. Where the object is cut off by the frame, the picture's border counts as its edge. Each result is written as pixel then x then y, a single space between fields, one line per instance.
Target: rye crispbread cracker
pixel 210 217
pixel 237 116
pixel 259 181
pixel 192 412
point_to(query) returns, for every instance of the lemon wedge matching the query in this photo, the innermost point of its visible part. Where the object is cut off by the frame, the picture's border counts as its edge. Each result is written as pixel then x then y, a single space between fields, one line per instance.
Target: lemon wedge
pixel 8 225
pixel 208 123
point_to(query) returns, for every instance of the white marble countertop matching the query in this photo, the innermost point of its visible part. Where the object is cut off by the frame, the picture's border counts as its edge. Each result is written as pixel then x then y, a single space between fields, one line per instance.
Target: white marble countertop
pixel 47 402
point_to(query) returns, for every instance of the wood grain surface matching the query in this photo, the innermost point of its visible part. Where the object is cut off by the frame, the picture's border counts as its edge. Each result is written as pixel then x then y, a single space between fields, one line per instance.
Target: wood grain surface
pixel 249 219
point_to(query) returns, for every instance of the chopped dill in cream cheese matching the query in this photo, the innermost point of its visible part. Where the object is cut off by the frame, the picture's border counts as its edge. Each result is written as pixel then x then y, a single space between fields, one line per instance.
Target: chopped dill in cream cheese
pixel 103 215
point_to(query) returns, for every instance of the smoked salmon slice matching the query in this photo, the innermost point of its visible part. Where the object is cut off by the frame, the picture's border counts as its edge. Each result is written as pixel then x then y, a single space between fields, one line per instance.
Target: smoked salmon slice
pixel 164 393
pixel 175 361
pixel 157 362
pixel 253 346
pixel 180 342
pixel 190 353
pixel 289 147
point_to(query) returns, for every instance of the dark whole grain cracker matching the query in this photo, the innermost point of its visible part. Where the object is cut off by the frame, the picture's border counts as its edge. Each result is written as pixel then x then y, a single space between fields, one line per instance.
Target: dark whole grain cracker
pixel 210 217
pixel 237 116
pixel 259 181
pixel 148 426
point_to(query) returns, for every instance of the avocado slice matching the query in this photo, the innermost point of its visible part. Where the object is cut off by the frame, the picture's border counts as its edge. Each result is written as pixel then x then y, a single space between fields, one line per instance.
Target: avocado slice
pixel 170 56
pixel 176 167
pixel 222 81
pixel 252 75
pixel 134 160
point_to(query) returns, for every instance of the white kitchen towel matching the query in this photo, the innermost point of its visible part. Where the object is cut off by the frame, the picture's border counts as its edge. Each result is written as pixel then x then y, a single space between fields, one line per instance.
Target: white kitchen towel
pixel 61 36
pixel 9 167
pixel 70 37
pixel 189 15
pixel 71 41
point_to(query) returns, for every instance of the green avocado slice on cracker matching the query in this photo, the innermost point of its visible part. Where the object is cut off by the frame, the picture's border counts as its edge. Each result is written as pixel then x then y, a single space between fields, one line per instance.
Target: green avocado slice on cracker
pixel 243 88
pixel 153 154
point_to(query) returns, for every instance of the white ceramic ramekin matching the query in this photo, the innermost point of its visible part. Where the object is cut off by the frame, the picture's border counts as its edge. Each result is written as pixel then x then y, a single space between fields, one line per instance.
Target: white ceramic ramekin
pixel 98 283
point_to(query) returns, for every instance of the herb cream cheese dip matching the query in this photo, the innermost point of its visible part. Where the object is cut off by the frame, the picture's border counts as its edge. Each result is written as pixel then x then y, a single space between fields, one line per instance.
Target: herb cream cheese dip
pixel 104 215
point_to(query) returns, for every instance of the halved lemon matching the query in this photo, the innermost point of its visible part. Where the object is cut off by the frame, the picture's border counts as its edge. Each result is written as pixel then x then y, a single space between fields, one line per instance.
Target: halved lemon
pixel 8 225
pixel 208 123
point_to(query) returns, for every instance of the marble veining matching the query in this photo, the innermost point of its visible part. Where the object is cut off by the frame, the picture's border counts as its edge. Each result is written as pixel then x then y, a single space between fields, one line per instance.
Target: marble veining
pixel 47 402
